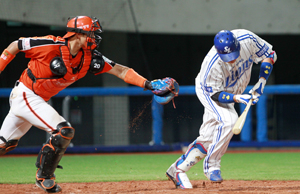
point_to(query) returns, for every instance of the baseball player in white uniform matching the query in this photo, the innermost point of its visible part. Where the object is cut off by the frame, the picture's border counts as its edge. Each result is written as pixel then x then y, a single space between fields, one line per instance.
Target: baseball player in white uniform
pixel 224 75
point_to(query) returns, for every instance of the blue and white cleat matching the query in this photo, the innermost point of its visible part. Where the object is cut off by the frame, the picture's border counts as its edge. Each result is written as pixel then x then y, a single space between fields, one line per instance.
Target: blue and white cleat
pixel 179 178
pixel 214 176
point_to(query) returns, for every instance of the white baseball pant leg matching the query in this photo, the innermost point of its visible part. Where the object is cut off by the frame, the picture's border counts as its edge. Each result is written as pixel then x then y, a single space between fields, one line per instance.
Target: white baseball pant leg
pixel 27 109
pixel 216 129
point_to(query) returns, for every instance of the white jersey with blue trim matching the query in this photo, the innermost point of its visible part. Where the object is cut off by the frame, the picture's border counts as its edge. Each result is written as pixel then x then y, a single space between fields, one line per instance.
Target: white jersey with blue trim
pixel 216 75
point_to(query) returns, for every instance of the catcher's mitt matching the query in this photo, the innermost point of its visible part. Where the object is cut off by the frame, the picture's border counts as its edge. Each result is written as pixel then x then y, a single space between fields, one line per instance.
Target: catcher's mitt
pixel 165 90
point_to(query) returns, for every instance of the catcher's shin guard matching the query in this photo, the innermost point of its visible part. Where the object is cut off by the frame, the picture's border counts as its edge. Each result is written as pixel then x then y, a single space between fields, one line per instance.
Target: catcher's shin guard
pixel 195 153
pixel 50 155
pixel 9 145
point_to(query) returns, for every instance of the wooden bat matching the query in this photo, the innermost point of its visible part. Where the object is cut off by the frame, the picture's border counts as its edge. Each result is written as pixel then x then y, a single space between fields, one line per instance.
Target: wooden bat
pixel 241 120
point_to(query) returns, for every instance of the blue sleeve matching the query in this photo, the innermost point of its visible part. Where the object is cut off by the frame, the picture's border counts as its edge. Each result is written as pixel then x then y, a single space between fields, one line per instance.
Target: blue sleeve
pixel 223 97
pixel 265 70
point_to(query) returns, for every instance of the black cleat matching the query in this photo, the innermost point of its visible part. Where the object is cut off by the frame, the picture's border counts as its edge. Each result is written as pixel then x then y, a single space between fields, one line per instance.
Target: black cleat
pixel 54 189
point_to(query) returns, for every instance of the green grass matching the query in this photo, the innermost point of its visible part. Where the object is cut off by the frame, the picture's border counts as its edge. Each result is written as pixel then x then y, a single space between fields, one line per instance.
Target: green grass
pixel 99 168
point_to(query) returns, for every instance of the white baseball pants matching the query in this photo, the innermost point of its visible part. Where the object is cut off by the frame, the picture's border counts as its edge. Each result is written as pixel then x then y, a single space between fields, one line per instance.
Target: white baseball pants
pixel 26 110
pixel 215 131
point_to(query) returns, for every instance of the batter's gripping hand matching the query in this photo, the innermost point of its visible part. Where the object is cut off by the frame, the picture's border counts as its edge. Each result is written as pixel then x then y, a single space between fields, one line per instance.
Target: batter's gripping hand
pixel 165 90
pixel 258 88
pixel 245 98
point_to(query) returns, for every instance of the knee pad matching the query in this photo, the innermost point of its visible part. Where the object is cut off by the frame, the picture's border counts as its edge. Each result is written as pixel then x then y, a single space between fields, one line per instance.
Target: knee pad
pixel 9 145
pixel 195 153
pixel 61 138
pixel 52 152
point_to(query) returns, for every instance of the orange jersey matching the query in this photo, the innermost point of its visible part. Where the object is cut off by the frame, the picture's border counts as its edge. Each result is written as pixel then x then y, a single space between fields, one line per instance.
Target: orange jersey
pixel 38 76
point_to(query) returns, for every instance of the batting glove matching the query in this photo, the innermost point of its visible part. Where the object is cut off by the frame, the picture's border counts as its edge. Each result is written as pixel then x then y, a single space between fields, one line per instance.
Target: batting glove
pixel 245 98
pixel 258 88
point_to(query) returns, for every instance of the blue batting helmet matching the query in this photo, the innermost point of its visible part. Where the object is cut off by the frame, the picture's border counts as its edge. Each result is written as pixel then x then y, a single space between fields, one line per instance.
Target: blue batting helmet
pixel 228 47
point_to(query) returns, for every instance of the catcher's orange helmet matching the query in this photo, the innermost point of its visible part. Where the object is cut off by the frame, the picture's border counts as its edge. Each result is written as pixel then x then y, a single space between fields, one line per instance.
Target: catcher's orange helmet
pixel 85 25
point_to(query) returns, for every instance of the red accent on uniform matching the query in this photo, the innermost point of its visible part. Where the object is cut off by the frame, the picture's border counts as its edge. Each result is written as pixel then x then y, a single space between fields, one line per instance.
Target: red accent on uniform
pixel 28 105
pixel 41 55
pixel 272 58
pixel 106 68
pixel 202 146
pixel 41 52
pixel 7 148
pixel 5 58
pixel 13 146
pixel 132 77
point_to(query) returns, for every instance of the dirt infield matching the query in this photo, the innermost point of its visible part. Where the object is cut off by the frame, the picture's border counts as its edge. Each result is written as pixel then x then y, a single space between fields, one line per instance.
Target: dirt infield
pixel 165 187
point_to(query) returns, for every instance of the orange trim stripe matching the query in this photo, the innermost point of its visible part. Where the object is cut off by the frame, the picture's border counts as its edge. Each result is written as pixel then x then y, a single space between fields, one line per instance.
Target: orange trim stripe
pixel 27 103
pixel 5 58
pixel 51 146
pixel 65 136
pixel 132 77
pixel 43 179
pixel 10 147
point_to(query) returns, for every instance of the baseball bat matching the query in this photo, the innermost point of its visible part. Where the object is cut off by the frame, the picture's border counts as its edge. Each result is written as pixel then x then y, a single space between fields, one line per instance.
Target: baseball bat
pixel 241 120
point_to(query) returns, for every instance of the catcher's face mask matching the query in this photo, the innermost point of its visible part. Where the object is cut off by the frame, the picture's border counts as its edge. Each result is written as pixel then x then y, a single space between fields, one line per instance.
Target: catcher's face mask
pixel 85 25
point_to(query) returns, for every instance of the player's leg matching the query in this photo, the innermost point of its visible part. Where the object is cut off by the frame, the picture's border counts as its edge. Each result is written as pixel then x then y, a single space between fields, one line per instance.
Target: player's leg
pixel 35 110
pixel 177 171
pixel 12 129
pixel 45 117
pixel 50 156
pixel 40 114
pixel 221 138
pixel 215 133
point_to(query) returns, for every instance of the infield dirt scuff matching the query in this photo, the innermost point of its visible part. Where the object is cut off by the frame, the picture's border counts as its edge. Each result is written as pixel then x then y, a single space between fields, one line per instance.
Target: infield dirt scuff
pixel 165 187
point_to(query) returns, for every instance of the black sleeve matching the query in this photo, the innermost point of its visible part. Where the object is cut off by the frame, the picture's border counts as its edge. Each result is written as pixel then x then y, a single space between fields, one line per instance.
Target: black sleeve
pixel 148 85
pixel 215 97
pixel 97 63
pixel 20 47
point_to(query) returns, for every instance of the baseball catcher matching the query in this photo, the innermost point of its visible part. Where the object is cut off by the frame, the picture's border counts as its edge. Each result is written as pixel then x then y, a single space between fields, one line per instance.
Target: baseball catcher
pixel 55 63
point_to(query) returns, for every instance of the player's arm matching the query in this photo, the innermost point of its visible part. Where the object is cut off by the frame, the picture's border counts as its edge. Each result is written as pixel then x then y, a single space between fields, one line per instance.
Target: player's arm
pixel 8 55
pixel 264 73
pixel 101 64
pixel 130 76
pixel 267 65
pixel 226 97
pixel 166 86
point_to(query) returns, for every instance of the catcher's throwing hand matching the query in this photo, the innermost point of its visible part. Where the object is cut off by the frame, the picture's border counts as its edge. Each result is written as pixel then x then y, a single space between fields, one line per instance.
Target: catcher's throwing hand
pixel 245 98
pixel 165 90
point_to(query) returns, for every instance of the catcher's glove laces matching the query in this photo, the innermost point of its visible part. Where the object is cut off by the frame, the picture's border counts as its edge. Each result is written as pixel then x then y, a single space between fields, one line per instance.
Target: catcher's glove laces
pixel 165 90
